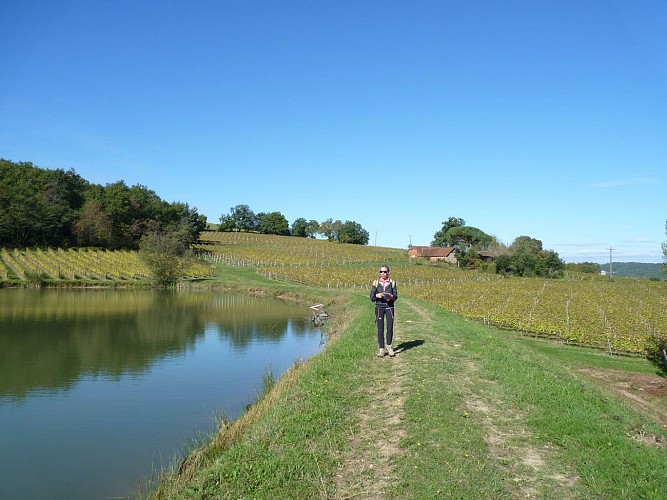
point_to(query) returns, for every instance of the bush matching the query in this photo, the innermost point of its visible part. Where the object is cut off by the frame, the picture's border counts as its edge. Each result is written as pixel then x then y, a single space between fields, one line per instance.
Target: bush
pixel 163 254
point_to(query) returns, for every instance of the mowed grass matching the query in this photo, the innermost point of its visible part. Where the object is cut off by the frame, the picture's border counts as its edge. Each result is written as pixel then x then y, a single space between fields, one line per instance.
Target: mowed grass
pixel 463 411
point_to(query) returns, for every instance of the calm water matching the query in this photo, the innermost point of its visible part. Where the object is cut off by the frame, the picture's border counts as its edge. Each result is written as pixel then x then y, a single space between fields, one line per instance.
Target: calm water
pixel 99 388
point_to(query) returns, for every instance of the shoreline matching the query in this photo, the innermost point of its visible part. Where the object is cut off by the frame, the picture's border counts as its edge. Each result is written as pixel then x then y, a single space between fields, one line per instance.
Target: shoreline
pixel 444 418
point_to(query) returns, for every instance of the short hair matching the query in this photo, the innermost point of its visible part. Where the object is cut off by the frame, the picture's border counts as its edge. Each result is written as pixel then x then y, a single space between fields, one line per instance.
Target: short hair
pixel 385 265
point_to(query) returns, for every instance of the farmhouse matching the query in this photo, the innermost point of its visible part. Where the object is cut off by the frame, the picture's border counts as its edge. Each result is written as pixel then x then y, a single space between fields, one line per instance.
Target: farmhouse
pixel 447 254
pixel 487 256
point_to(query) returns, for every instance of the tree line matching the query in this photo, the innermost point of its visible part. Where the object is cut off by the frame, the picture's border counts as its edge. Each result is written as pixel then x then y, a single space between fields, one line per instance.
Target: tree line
pixel 524 257
pixel 243 218
pixel 58 208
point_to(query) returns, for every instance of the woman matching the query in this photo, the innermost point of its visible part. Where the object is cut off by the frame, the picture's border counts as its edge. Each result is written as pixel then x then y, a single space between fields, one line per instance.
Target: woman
pixel 384 293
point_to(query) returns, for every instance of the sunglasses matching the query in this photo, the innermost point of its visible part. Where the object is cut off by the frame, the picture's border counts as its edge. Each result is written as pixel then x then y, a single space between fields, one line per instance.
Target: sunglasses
pixel 384 271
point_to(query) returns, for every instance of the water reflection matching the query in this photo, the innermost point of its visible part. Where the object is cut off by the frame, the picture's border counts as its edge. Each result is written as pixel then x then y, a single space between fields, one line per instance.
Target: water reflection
pixel 98 388
pixel 49 339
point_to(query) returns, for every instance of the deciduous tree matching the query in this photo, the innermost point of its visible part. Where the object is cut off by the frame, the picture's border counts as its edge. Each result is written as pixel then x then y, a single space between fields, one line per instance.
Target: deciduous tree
pixel 273 223
pixel 299 228
pixel 528 258
pixel 94 225
pixel 162 253
pixel 330 229
pixel 583 267
pixel 352 232
pixel 244 219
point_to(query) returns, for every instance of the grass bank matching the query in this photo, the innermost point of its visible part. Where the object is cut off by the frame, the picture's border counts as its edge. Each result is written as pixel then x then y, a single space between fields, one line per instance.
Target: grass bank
pixel 462 411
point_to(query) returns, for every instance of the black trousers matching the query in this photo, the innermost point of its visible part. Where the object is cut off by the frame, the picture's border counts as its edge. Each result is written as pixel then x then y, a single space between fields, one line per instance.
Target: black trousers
pixel 380 314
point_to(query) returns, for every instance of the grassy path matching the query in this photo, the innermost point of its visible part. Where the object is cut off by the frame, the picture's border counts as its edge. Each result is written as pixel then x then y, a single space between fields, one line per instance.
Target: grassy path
pixel 431 429
pixel 462 440
pixel 462 411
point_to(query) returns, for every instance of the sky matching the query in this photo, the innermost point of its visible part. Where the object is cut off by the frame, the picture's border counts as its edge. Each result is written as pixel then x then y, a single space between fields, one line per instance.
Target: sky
pixel 524 118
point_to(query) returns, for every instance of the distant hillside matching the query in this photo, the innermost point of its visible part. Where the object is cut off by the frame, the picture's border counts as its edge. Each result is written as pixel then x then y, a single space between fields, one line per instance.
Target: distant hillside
pixel 635 270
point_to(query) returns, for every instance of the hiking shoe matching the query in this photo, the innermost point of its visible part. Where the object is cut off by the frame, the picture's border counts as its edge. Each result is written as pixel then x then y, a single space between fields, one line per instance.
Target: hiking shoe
pixel 381 353
pixel 390 351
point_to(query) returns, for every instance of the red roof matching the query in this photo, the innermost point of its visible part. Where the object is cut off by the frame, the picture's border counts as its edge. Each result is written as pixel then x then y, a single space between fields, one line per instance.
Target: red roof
pixel 431 251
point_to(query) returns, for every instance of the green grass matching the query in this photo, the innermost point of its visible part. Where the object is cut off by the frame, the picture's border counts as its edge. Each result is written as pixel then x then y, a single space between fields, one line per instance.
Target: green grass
pixel 583 357
pixel 463 411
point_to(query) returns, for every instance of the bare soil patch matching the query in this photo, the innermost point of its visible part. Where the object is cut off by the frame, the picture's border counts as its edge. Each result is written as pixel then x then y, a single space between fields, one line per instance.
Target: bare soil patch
pixel 646 392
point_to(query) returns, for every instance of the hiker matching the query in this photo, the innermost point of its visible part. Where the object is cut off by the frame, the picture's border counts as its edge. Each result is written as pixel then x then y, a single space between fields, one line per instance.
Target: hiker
pixel 384 293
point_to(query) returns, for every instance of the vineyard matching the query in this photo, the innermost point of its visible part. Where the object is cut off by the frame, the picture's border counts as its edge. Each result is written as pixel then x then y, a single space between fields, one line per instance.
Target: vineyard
pixel 80 265
pixel 624 315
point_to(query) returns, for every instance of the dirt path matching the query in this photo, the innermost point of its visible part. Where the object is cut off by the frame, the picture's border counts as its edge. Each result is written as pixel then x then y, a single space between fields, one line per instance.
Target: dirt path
pixel 366 469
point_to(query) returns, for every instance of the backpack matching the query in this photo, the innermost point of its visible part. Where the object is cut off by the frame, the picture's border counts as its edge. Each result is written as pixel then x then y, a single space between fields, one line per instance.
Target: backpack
pixel 391 282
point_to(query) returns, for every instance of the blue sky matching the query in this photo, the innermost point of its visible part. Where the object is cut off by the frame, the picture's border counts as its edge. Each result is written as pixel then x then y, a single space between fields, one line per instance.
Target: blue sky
pixel 538 118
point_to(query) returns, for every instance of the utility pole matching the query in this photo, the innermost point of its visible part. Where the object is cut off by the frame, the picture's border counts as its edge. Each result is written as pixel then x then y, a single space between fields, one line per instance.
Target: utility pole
pixel 610 250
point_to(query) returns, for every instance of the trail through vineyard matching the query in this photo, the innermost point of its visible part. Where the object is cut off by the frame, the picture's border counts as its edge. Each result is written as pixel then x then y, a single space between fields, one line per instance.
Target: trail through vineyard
pixel 370 467
pixel 367 470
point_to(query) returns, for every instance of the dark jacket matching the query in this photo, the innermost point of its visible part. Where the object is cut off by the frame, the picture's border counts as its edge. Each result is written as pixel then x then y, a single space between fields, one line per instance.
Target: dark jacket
pixel 389 299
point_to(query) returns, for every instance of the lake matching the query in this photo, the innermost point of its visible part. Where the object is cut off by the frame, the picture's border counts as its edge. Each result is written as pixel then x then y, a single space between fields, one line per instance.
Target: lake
pixel 99 389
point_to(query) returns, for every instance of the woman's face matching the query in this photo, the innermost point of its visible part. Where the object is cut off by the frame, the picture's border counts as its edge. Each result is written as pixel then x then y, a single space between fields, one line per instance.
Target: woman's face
pixel 384 273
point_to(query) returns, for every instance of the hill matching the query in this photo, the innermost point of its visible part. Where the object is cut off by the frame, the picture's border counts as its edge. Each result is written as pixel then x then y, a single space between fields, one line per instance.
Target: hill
pixel 642 270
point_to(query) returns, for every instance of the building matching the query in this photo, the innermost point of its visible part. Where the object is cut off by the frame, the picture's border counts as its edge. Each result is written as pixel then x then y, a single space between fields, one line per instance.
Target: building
pixel 487 256
pixel 434 254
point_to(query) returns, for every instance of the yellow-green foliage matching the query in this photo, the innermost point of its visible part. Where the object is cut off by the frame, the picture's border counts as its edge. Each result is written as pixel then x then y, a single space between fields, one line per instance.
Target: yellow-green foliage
pixel 81 264
pixel 624 314
pixel 252 249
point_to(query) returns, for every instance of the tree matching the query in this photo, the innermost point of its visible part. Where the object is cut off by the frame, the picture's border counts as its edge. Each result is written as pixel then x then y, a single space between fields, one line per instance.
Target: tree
pixel 186 222
pixel 467 238
pixel 330 229
pixel 162 253
pixel 469 259
pixel 299 228
pixel 273 223
pixel 62 198
pixel 440 237
pixel 352 232
pixel 94 225
pixel 504 264
pixel 347 232
pixel 553 264
pixel 136 211
pixel 243 218
pixel 304 229
pixel 526 243
pixel 38 206
pixel 21 213
pixel 528 258
pixel 226 223
pixel 311 228
pixel 583 267
pixel 59 208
